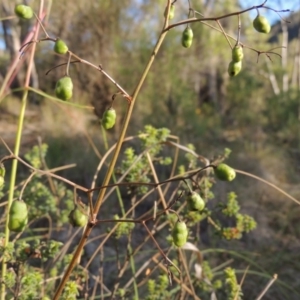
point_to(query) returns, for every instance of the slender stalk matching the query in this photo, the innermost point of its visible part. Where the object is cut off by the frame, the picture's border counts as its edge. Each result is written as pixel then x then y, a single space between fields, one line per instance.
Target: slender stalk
pixel 130 250
pixel 17 150
pixel 263 292
pixel 12 185
pixel 113 161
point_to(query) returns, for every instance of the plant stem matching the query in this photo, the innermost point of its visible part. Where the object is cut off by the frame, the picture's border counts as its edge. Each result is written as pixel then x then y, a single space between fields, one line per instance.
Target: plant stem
pixel 17 150
pixel 12 185
pixel 132 265
pixel 109 172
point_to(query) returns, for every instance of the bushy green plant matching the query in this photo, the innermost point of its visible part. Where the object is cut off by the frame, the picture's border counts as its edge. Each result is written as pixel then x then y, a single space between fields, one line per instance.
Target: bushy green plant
pixel 35 262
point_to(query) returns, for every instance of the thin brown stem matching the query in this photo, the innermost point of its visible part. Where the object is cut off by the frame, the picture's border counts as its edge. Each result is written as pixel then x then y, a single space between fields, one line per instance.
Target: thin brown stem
pixel 224 33
pixel 263 292
pixel 270 184
pixel 194 20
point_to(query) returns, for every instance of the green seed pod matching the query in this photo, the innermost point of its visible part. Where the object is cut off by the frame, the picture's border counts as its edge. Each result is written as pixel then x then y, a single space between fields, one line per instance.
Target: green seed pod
pixel 23 11
pixel 261 24
pixel 18 216
pixel 60 47
pixel 195 202
pixel 237 53
pixel 77 218
pixel 234 68
pixel 109 118
pixel 187 37
pixel 180 234
pixel 171 13
pixel 2 170
pixel 224 172
pixel 64 88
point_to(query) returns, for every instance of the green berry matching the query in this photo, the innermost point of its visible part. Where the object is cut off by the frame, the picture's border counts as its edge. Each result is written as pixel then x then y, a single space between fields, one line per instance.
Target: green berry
pixel 60 47
pixel 78 218
pixel 180 234
pixel 261 24
pixel 109 118
pixel 195 202
pixel 64 88
pixel 187 37
pixel 224 172
pixel 234 68
pixel 237 53
pixel 18 216
pixel 171 13
pixel 23 11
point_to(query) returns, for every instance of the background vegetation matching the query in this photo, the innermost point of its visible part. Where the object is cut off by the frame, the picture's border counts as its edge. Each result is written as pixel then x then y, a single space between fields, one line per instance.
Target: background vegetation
pixel 188 91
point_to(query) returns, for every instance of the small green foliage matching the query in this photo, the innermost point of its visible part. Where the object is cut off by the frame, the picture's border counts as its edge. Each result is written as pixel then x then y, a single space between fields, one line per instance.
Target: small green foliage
pixel 244 223
pixel 8 251
pixel 157 289
pixel 232 207
pixel 206 270
pixel 10 278
pixel 39 198
pixel 50 249
pixel 233 289
pixel 181 170
pixel 151 287
pixel 208 283
pixel 173 269
pixel 166 161
pixel 231 233
pixel 31 284
pixel 67 259
pixel 227 152
pixel 192 159
pixel 163 281
pixel 124 228
pixel 22 250
pixel 153 138
pixel 36 155
pixel 217 284
pixel 172 218
pixel 140 171
pixel 70 291
pixel 207 275
pixel 194 217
